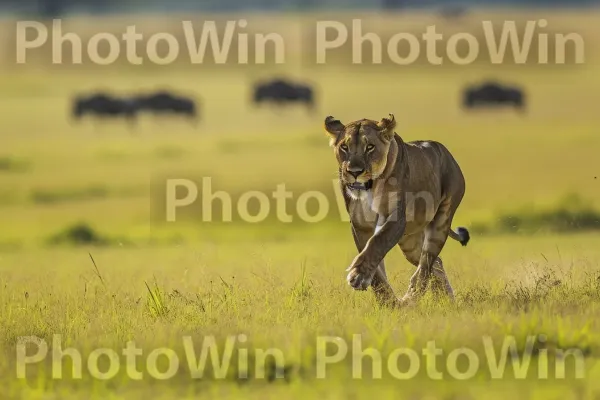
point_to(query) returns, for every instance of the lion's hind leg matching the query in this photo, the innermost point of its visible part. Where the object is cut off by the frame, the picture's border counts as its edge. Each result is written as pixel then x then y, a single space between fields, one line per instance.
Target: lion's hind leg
pixel 440 284
pixel 423 250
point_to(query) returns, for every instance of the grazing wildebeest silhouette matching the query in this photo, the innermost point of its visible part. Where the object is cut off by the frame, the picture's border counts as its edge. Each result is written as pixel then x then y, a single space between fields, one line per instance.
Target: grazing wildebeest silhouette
pixel 165 103
pixel 104 106
pixel 281 92
pixel 493 94
pixel 453 11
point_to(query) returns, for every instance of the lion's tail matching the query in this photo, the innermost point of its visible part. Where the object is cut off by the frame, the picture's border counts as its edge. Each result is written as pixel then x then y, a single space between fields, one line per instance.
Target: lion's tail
pixel 460 235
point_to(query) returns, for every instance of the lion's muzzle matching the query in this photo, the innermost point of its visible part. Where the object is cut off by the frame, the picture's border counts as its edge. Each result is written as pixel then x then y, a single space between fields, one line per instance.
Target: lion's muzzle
pixel 361 185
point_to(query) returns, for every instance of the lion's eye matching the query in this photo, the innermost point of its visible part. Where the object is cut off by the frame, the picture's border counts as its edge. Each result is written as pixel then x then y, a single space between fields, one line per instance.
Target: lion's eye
pixel 370 147
pixel 344 147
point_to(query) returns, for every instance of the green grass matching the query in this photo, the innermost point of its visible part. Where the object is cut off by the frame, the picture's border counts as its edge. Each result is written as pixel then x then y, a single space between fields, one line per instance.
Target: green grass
pixel 85 251
pixel 156 296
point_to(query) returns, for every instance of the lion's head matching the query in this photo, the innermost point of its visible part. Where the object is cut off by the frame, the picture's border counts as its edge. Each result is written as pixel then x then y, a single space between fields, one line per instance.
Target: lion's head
pixel 361 148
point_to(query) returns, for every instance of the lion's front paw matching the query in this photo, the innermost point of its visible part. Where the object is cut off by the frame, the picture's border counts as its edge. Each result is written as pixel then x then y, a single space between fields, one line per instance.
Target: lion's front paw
pixel 360 275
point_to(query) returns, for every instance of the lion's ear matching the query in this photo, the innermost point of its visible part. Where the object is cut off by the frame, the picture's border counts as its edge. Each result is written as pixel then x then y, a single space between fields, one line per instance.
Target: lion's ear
pixel 334 128
pixel 386 127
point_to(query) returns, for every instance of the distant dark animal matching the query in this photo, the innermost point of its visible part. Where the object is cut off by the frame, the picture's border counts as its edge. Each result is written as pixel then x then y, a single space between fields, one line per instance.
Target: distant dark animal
pixel 393 4
pixel 165 103
pixel 282 92
pixel 453 11
pixel 493 94
pixel 104 106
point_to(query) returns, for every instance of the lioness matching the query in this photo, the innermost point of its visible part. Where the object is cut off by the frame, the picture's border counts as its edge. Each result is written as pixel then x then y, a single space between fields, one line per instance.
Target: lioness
pixel 396 193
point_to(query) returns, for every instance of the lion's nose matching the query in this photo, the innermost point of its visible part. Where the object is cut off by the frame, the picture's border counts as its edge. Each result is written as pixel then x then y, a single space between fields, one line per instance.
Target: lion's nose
pixel 355 172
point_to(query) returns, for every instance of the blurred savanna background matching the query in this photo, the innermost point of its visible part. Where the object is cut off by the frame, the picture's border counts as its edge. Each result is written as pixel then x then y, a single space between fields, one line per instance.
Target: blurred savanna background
pixel 87 250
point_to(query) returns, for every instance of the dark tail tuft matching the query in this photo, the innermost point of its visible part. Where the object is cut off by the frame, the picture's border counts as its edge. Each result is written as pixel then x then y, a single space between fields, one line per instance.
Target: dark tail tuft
pixel 464 235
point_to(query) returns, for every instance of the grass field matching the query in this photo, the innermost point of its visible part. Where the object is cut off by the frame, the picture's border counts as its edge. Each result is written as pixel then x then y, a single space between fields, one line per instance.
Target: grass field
pixel 282 285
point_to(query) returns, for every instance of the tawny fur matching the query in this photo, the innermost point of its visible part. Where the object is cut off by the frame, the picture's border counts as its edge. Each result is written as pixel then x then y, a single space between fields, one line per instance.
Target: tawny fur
pixel 396 193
